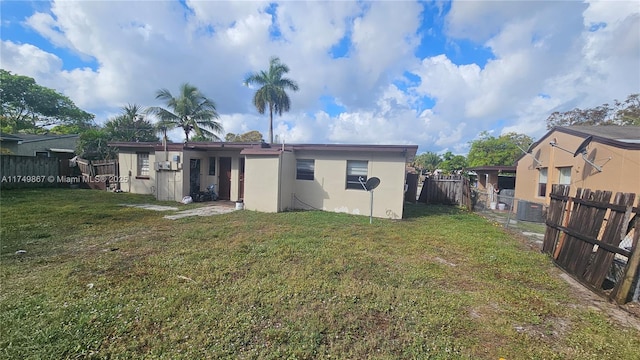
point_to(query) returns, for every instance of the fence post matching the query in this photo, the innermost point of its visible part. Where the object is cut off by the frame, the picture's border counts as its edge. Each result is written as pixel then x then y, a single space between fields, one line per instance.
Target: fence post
pixel 631 269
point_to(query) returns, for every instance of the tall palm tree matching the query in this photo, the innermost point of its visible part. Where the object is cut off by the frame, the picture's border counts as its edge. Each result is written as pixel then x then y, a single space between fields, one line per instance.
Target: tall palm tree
pixel 272 90
pixel 190 110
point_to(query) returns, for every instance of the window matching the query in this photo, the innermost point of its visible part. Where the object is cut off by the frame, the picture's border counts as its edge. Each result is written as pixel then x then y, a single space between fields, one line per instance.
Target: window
pixel 212 166
pixel 143 164
pixel 42 154
pixel 305 169
pixel 565 176
pixel 542 182
pixel 356 173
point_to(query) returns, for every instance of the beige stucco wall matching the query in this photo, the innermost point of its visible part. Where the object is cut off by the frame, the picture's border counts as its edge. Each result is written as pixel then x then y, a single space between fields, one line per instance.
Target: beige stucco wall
pixel 128 163
pixel 328 190
pixel 620 168
pixel 287 181
pixel 174 184
pixel 262 188
pixel 169 183
pixel 205 178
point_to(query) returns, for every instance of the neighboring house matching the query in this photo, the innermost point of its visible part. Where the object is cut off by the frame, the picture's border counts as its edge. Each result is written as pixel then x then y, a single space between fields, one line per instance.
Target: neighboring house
pixel 39 145
pixel 493 177
pixel 611 161
pixel 271 179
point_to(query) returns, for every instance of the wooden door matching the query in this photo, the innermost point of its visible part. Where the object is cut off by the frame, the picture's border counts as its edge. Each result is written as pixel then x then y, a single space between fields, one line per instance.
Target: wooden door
pixel 194 176
pixel 224 179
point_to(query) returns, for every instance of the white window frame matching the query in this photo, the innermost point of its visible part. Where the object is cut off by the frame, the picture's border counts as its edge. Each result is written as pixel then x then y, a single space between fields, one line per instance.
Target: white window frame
pixel 564 175
pixel 357 170
pixel 143 164
pixel 543 180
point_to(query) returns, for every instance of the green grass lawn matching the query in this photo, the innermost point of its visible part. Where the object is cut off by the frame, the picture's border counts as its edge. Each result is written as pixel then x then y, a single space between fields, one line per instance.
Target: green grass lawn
pixel 99 280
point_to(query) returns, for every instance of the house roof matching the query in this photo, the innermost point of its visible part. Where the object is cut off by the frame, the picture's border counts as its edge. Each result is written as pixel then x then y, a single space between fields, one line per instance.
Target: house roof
pixel 261 148
pixel 9 137
pixel 621 134
pixel 499 169
pixel 624 137
pixel 27 138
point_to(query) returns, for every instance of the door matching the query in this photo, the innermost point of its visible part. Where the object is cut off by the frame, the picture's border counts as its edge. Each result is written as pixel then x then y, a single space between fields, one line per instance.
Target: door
pixel 241 181
pixel 224 179
pixel 194 176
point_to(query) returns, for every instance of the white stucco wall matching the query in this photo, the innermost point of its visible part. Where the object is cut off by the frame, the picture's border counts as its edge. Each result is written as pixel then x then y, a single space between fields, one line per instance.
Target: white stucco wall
pixel 262 187
pixel 128 163
pixel 328 189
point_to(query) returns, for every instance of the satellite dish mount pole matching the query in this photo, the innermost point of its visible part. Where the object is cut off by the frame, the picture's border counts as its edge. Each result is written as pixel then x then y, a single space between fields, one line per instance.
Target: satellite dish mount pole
pixel 371 184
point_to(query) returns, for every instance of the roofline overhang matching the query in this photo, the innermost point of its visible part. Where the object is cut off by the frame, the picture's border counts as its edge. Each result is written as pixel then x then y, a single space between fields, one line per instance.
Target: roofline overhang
pixel 409 151
pixel 582 134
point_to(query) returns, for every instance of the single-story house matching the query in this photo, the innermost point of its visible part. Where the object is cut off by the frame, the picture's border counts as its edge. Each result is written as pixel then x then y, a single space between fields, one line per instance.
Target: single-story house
pixel 39 145
pixel 588 157
pixel 494 177
pixel 271 178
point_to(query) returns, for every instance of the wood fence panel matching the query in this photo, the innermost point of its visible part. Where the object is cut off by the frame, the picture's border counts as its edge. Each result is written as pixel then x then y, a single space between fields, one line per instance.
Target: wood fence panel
pixel 105 167
pixel 412 188
pixel 446 190
pixel 583 254
pixel 586 220
pixel 85 167
pixel 557 207
pixel 616 220
pixel 27 171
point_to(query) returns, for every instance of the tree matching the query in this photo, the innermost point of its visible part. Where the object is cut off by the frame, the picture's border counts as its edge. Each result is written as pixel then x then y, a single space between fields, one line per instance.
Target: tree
pixel 191 111
pixel 272 92
pixel 628 111
pixel 92 145
pixel 251 136
pixel 30 108
pixel 452 163
pixel 131 125
pixel 428 161
pixel 622 113
pixel 503 150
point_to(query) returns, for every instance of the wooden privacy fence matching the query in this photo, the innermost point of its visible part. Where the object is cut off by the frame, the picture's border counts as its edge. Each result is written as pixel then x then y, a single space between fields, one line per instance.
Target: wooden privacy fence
pixel 27 171
pixel 98 174
pixel 584 235
pixel 447 190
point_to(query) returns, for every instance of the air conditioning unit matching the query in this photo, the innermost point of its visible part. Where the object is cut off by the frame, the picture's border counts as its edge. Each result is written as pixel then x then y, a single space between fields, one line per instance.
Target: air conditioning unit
pixel 529 211
pixel 163 165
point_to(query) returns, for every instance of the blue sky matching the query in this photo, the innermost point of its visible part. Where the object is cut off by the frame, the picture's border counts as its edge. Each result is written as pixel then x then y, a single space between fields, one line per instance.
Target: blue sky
pixel 431 73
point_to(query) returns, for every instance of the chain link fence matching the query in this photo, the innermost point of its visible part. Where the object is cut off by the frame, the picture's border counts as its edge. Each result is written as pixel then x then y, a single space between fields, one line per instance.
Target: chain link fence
pixel 511 212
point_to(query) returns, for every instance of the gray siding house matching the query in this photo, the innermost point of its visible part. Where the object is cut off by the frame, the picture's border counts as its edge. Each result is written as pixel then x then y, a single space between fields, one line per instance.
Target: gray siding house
pixel 38 145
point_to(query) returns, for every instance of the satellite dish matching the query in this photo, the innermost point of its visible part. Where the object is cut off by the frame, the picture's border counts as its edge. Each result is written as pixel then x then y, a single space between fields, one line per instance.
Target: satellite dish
pixel 372 183
pixel 582 149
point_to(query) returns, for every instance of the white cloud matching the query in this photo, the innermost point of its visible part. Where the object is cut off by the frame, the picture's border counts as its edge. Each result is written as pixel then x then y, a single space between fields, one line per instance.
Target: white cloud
pixel 27 59
pixel 547 56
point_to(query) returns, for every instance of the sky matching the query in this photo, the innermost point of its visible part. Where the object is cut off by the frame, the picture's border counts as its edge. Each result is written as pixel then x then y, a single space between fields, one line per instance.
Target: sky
pixel 431 73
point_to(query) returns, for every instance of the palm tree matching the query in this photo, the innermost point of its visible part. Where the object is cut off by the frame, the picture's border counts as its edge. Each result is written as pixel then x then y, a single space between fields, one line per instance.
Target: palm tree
pixel 191 111
pixel 131 125
pixel 272 90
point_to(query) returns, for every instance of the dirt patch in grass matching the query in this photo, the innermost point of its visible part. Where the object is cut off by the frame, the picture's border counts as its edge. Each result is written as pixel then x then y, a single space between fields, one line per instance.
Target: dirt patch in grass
pixel 626 315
